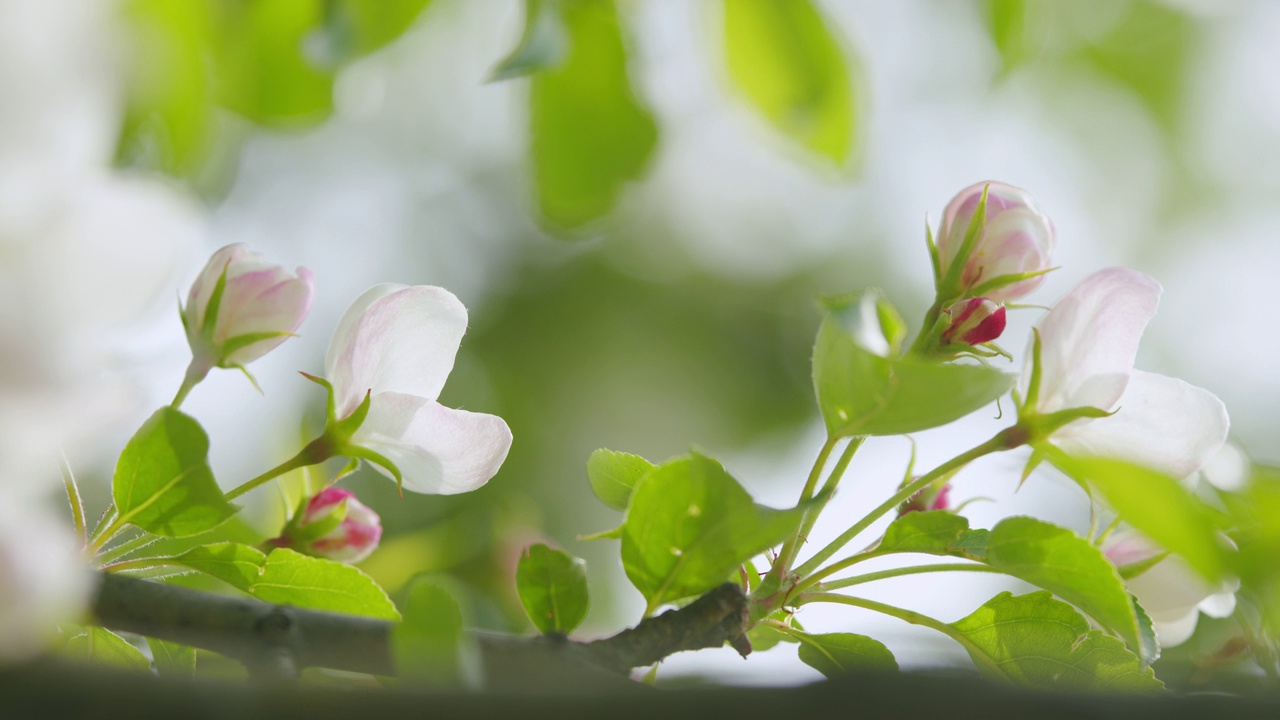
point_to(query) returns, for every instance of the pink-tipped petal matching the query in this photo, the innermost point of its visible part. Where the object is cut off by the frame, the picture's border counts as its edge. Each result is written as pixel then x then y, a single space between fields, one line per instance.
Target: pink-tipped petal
pixel 438 450
pixel 395 338
pixel 1089 340
pixel 1161 422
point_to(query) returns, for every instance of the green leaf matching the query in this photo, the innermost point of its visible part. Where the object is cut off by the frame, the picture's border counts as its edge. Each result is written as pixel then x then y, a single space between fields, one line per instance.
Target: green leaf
pixel 1158 506
pixel 690 525
pixel 267 66
pixel 543 44
pixel 375 23
pixel 835 654
pixel 1150 52
pixel 932 532
pixel 1070 567
pixel 865 390
pixel 765 637
pixel 553 589
pixel 100 645
pixel 240 566
pixel 1006 23
pixel 589 133
pixel 1036 641
pixel 614 475
pixel 291 578
pixel 163 483
pixel 784 59
pixel 168 117
pixel 431 645
pixel 172 659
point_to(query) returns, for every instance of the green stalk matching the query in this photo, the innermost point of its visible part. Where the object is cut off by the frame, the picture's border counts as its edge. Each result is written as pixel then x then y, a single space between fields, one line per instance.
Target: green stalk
pixel 1006 439
pixel 788 551
pixel 304 458
pixel 899 572
pixel 979 656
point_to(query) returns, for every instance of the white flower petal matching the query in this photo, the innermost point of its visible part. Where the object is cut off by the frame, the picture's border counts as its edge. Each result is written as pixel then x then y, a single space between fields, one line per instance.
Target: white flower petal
pixel 1219 605
pixel 1177 630
pixel 437 449
pixel 395 338
pixel 1090 338
pixel 1161 422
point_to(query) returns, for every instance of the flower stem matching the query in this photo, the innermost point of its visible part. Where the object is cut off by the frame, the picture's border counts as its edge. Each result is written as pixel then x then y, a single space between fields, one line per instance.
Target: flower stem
pixel 811 517
pixel 127 547
pixel 1006 439
pixel 315 452
pixel 788 551
pixel 979 656
pixel 74 500
pixel 899 572
pixel 196 372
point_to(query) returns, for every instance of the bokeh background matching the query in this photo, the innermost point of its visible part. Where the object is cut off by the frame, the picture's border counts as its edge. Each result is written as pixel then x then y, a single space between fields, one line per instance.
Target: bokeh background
pixel 639 202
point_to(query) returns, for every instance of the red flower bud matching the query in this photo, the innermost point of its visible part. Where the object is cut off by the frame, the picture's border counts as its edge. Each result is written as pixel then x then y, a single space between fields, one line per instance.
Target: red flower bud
pixel 350 540
pixel 973 322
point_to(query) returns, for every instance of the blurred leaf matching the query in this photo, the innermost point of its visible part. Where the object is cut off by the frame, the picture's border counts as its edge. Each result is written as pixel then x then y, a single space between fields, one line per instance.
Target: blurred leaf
pixel 291 578
pixel 1007 25
pixel 100 645
pixel 1158 506
pixel 1256 513
pixel 168 122
pixel 1072 568
pixel 162 481
pixel 1036 641
pixel 783 57
pixel 865 388
pixel 613 475
pixel 835 654
pixel 590 135
pixel 552 585
pixel 172 659
pixel 431 644
pixel 690 525
pixel 270 61
pixel 542 46
pixel 237 565
pixel 375 23
pixel 1150 53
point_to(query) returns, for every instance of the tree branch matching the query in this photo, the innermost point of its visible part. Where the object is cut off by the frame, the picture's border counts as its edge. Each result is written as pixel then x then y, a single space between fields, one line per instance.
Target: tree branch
pixel 277 640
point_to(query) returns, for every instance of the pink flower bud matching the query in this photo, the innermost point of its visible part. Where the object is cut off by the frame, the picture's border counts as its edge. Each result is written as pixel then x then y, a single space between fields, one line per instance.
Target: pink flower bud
pixel 928 499
pixel 973 322
pixel 349 541
pixel 260 306
pixel 1016 238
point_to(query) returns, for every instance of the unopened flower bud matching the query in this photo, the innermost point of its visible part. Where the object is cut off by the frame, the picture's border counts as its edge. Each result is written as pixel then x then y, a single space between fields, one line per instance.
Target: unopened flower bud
pixel 240 307
pixel 928 499
pixel 973 322
pixel 334 525
pixel 1016 238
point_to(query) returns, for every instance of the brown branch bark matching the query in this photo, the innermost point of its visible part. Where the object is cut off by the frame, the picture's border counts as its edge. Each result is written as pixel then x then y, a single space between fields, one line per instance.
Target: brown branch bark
pixel 276 640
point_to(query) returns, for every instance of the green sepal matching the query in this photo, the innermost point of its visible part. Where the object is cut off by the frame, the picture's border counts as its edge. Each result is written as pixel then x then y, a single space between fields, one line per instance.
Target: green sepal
pixel 343 429
pixel 949 288
pixel 934 259
pixel 1133 570
pixel 304 533
pixel 1003 281
pixel 614 534
pixel 252 380
pixel 377 459
pixel 214 304
pixel 240 342
pixel 330 409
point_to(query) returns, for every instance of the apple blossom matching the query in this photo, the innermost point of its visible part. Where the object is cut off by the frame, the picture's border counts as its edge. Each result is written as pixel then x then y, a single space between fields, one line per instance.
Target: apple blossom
pixel 1172 594
pixel 973 322
pixel 1082 382
pixel 335 525
pixel 240 308
pixel 930 498
pixel 389 358
pixel 1017 238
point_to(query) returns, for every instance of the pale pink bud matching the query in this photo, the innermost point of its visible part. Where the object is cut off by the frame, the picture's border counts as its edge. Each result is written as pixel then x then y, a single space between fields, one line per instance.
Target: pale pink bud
pixel 350 541
pixel 1016 238
pixel 260 307
pixel 973 322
